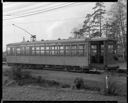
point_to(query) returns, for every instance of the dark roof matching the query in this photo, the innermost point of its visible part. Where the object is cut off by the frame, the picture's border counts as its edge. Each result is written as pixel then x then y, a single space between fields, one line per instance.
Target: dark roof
pixel 58 41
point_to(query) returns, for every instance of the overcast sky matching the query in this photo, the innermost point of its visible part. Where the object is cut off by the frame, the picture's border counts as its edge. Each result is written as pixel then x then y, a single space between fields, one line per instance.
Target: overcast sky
pixel 49 25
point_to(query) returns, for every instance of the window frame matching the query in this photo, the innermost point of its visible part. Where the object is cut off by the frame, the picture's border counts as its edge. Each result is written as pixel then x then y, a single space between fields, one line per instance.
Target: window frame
pixel 74 50
pixel 18 51
pixel 37 51
pixel 67 51
pixel 61 50
pixel 81 49
pixel 27 50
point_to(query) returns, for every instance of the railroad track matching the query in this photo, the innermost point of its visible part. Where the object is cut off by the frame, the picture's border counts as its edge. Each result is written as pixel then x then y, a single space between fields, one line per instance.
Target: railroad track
pixel 78 70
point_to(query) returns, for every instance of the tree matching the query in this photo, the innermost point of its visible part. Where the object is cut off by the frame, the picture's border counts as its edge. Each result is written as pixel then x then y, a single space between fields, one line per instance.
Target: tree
pixel 112 30
pixel 87 25
pixel 97 19
pixel 118 19
pixel 92 25
pixel 75 32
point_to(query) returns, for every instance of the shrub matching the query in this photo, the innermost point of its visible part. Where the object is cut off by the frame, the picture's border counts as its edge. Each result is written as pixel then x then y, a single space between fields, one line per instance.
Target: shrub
pixel 79 83
pixel 16 74
pixel 113 88
pixel 65 86
pixel 52 83
pixel 20 76
pixel 24 77
pixel 39 79
pixel 43 82
pixel 6 72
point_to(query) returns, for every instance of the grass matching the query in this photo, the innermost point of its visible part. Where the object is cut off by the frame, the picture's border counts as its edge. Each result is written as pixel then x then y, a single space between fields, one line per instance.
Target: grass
pixel 80 83
pixel 35 93
pixel 114 87
pixel 65 80
pixel 21 78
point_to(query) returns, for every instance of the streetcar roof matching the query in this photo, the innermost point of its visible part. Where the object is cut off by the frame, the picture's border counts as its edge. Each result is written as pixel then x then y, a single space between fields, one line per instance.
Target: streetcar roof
pixel 59 41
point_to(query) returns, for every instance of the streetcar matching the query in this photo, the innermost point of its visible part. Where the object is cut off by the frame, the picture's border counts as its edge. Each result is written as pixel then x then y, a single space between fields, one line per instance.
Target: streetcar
pixel 69 54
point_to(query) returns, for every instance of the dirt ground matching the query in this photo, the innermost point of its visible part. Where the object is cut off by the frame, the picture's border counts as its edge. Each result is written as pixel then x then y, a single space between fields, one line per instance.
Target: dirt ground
pixel 40 93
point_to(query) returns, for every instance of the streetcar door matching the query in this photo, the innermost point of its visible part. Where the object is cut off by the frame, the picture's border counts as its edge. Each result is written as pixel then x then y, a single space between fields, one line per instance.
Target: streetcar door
pixel 97 52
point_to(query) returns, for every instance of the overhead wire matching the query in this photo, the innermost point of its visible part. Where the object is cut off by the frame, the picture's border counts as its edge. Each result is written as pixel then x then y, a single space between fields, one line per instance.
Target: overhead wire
pixel 40 12
pixel 13 6
pixel 24 9
pixel 54 6
pixel 44 10
pixel 37 9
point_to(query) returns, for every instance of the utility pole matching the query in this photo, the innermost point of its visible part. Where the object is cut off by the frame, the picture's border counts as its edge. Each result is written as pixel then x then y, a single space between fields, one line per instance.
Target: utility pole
pixel 33 37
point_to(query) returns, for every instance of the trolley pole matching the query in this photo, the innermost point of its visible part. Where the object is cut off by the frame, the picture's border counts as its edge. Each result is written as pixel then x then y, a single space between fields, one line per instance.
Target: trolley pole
pixel 33 37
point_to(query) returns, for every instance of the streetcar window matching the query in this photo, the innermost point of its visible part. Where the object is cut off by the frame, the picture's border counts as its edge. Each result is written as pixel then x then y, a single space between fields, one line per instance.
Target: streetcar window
pixel 73 46
pixel 93 47
pixel 73 50
pixel 61 47
pixel 33 48
pixel 52 50
pixel 81 46
pixel 13 51
pixel 81 49
pixel 110 48
pixel 85 50
pixel 67 47
pixel 33 51
pixel 56 47
pixel 18 51
pixel 61 50
pixel 102 46
pixel 47 48
pixel 23 50
pixel 27 50
pixel 93 50
pixel 119 49
pixel 8 50
pixel 47 52
pixel 81 52
pixel 67 50
pixel 37 50
pixel 42 50
pixel 56 50
pixel 102 50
